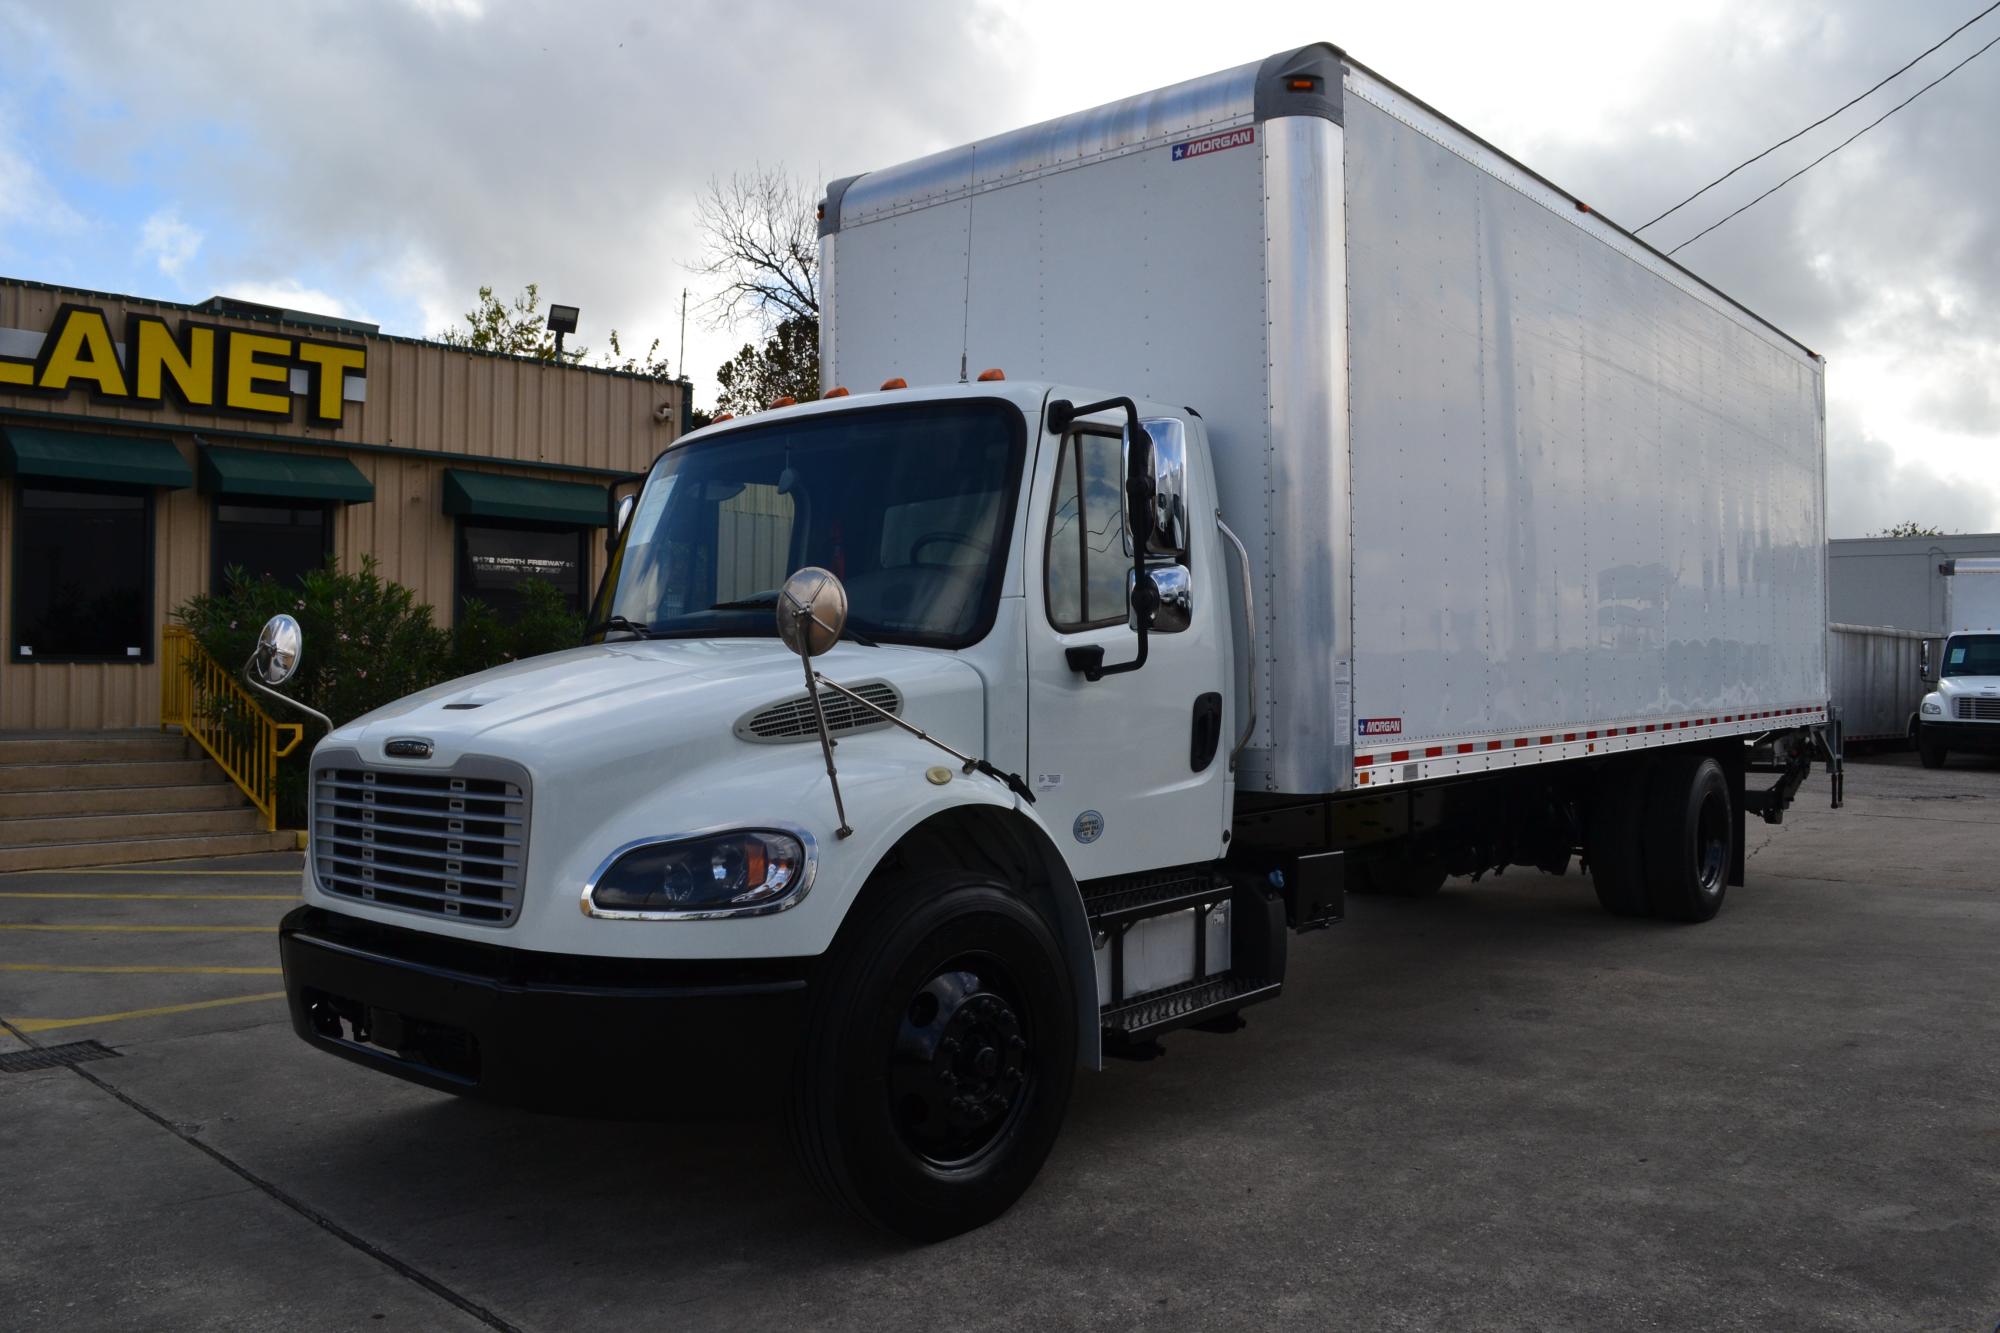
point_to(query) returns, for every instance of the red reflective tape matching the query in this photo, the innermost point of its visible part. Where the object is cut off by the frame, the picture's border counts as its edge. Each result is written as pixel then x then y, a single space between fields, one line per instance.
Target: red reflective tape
pixel 1399 756
pixel 1493 745
pixel 1520 740
pixel 1433 751
pixel 1465 748
pixel 1569 736
pixel 1363 760
pixel 1590 735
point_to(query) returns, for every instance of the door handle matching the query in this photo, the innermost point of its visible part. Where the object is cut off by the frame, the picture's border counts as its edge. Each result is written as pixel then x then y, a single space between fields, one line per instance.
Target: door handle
pixel 1207 731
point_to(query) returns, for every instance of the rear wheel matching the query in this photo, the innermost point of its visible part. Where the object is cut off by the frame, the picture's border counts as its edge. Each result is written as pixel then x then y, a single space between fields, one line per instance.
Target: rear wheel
pixel 1930 750
pixel 1613 839
pixel 1690 836
pixel 938 1059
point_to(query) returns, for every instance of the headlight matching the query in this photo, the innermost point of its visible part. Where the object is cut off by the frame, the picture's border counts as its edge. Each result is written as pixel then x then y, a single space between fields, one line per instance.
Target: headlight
pixel 1932 708
pixel 739 873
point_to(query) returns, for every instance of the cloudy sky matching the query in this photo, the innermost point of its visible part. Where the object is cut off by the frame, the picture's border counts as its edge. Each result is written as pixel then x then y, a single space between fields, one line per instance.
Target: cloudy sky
pixel 383 160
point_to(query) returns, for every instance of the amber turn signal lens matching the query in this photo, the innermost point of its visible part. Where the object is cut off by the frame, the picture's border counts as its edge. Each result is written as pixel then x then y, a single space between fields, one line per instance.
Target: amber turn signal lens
pixel 785 401
pixel 839 391
pixel 990 376
pixel 896 383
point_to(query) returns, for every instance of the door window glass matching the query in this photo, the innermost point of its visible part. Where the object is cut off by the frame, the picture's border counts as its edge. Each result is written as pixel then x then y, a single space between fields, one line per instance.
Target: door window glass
pixel 1087 556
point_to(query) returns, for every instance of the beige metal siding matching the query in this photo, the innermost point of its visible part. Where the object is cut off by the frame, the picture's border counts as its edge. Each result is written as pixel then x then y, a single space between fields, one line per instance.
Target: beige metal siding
pixel 486 411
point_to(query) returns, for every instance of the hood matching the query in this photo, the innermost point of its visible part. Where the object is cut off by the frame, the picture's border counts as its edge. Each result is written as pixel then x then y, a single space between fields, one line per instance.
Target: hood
pixel 619 702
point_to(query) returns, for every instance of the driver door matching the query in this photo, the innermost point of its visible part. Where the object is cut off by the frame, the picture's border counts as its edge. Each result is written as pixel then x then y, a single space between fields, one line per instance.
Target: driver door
pixel 1130 772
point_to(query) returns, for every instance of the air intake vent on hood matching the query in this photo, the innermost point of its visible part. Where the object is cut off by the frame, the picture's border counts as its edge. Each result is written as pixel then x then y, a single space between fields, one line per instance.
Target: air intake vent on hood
pixel 792 719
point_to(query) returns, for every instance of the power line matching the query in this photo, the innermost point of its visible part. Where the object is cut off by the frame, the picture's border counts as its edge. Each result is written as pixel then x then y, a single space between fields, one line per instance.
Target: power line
pixel 1815 125
pixel 1842 144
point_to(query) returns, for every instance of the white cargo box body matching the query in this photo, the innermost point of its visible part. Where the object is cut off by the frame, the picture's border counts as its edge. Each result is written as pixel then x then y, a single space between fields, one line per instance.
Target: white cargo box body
pixel 1516 487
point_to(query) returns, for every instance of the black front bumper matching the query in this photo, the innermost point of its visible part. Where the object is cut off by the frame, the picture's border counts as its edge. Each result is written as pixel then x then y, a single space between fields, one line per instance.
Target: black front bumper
pixel 1966 737
pixel 555 1032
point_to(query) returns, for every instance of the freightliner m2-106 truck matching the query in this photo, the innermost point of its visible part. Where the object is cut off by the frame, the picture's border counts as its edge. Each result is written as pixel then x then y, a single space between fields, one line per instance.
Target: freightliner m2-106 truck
pixel 1963 712
pixel 1273 492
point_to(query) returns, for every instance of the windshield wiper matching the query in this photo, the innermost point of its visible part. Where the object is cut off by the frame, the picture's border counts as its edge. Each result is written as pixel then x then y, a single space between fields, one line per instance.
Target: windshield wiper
pixel 617 623
pixel 756 603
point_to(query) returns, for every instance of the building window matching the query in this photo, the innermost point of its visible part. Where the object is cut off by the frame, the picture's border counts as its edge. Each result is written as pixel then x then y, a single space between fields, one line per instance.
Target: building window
pixel 495 558
pixel 83 576
pixel 282 542
pixel 1087 554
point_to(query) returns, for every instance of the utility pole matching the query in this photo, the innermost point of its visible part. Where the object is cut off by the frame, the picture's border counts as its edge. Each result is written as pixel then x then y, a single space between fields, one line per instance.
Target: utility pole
pixel 682 359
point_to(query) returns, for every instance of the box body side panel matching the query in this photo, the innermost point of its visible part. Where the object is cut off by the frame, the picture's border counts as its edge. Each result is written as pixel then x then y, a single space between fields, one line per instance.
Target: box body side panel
pixel 1583 493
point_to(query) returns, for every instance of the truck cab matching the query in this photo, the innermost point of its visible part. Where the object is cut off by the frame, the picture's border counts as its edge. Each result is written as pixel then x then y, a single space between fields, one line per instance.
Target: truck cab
pixel 1963 712
pixel 610 877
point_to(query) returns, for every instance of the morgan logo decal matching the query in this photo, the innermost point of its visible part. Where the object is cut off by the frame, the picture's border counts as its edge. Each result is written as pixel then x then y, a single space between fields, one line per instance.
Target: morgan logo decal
pixel 1380 726
pixel 1215 143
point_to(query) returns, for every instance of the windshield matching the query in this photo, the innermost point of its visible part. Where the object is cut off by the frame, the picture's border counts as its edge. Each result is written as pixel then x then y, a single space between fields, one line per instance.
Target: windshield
pixel 1971 655
pixel 909 506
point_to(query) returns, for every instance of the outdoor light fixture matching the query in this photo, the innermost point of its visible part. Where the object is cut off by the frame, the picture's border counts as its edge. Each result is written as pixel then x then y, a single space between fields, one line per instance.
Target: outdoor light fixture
pixel 562 319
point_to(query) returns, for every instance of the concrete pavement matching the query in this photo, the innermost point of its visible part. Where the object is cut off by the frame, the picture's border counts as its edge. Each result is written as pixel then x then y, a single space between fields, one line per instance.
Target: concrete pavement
pixel 1498 1108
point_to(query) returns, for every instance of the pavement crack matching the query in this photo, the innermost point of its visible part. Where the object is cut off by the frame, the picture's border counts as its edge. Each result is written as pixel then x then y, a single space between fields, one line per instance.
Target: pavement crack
pixel 400 1267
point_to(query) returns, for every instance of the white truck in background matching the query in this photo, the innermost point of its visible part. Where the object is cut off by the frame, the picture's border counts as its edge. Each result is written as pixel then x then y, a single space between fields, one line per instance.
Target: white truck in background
pixel 1963 712
pixel 1273 490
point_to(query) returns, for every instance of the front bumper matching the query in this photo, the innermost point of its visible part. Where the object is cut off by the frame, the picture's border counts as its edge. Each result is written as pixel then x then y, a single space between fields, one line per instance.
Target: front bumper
pixel 1967 737
pixel 555 1032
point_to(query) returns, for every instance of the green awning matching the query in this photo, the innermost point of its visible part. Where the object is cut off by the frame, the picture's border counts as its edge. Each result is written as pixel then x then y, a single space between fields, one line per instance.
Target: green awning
pixel 282 476
pixel 484 495
pixel 76 456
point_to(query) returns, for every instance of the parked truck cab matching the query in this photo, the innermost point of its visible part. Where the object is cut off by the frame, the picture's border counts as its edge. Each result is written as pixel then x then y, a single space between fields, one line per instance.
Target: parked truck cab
pixel 1963 712
pixel 935 742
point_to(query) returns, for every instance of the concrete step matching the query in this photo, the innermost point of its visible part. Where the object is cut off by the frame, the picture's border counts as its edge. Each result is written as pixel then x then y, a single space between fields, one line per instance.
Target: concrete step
pixel 106 852
pixel 106 828
pixel 122 800
pixel 71 747
pixel 106 773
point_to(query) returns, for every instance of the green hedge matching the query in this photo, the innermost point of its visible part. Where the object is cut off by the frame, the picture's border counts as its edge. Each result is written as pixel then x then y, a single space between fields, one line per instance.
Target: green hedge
pixel 368 642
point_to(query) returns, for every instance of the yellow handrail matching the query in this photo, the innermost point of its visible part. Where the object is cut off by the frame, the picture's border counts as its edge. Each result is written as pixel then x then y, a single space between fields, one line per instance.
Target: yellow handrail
pixel 206 701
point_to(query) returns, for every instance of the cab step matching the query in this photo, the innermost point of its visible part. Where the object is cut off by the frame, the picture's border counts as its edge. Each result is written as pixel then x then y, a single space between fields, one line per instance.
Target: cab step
pixel 1146 1016
pixel 1125 898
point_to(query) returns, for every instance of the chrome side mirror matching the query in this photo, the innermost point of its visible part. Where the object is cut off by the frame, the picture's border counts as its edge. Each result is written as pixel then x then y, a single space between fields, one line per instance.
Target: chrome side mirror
pixel 1173 588
pixel 279 647
pixel 1924 661
pixel 1170 524
pixel 620 516
pixel 812 611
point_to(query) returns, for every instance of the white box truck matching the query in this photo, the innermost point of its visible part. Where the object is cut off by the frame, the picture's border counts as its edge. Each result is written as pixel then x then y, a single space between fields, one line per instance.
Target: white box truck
pixel 1963 712
pixel 1272 491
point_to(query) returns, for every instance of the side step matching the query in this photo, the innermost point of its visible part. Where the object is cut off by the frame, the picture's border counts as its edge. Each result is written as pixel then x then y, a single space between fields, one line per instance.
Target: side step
pixel 1146 1016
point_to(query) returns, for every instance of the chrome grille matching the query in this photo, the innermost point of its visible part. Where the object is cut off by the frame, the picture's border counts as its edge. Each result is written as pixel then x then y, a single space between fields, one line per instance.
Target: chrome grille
pixel 1985 708
pixel 452 843
pixel 792 719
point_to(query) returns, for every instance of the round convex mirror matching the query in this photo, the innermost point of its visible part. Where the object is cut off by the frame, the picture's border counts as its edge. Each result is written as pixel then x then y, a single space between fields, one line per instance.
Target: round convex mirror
pixel 812 611
pixel 278 650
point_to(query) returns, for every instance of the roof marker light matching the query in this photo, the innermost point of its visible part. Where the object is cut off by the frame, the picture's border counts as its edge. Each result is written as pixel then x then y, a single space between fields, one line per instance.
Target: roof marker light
pixel 895 382
pixel 721 417
pixel 990 376
pixel 839 391
pixel 786 401
pixel 1302 85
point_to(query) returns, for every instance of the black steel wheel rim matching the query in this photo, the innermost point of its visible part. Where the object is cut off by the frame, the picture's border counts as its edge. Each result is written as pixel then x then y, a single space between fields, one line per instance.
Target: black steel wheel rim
pixel 1711 846
pixel 961 1068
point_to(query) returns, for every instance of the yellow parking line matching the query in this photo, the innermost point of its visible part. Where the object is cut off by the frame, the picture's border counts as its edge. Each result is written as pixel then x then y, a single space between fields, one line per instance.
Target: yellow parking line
pixel 140 930
pixel 50 1024
pixel 167 897
pixel 143 970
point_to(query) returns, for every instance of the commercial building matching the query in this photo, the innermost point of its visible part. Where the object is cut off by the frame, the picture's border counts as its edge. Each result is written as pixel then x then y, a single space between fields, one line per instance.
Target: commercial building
pixel 1894 582
pixel 147 446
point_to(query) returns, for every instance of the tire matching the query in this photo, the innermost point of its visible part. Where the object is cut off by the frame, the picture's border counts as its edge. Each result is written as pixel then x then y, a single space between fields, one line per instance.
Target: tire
pixel 1402 878
pixel 1930 753
pixel 1613 840
pixel 1689 838
pixel 891 1120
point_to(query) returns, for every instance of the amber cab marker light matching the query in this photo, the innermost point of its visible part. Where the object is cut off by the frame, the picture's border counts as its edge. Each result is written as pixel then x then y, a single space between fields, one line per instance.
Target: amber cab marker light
pixel 839 391
pixel 1303 85
pixel 896 383
pixel 990 376
pixel 721 417
pixel 785 401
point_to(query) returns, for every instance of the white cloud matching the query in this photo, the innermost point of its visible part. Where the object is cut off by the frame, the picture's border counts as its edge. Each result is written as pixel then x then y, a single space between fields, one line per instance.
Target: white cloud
pixel 169 242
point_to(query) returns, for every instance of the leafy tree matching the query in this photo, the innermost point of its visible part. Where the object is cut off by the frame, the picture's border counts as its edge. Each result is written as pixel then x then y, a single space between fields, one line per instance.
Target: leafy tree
pixel 786 366
pixel 1909 529
pixel 519 328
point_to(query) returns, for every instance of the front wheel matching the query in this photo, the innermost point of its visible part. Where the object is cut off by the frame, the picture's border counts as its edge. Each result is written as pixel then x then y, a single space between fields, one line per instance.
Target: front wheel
pixel 1930 751
pixel 938 1059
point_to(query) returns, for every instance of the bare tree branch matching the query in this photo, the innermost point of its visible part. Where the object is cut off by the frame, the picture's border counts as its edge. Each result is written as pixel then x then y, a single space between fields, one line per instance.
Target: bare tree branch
pixel 761 246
